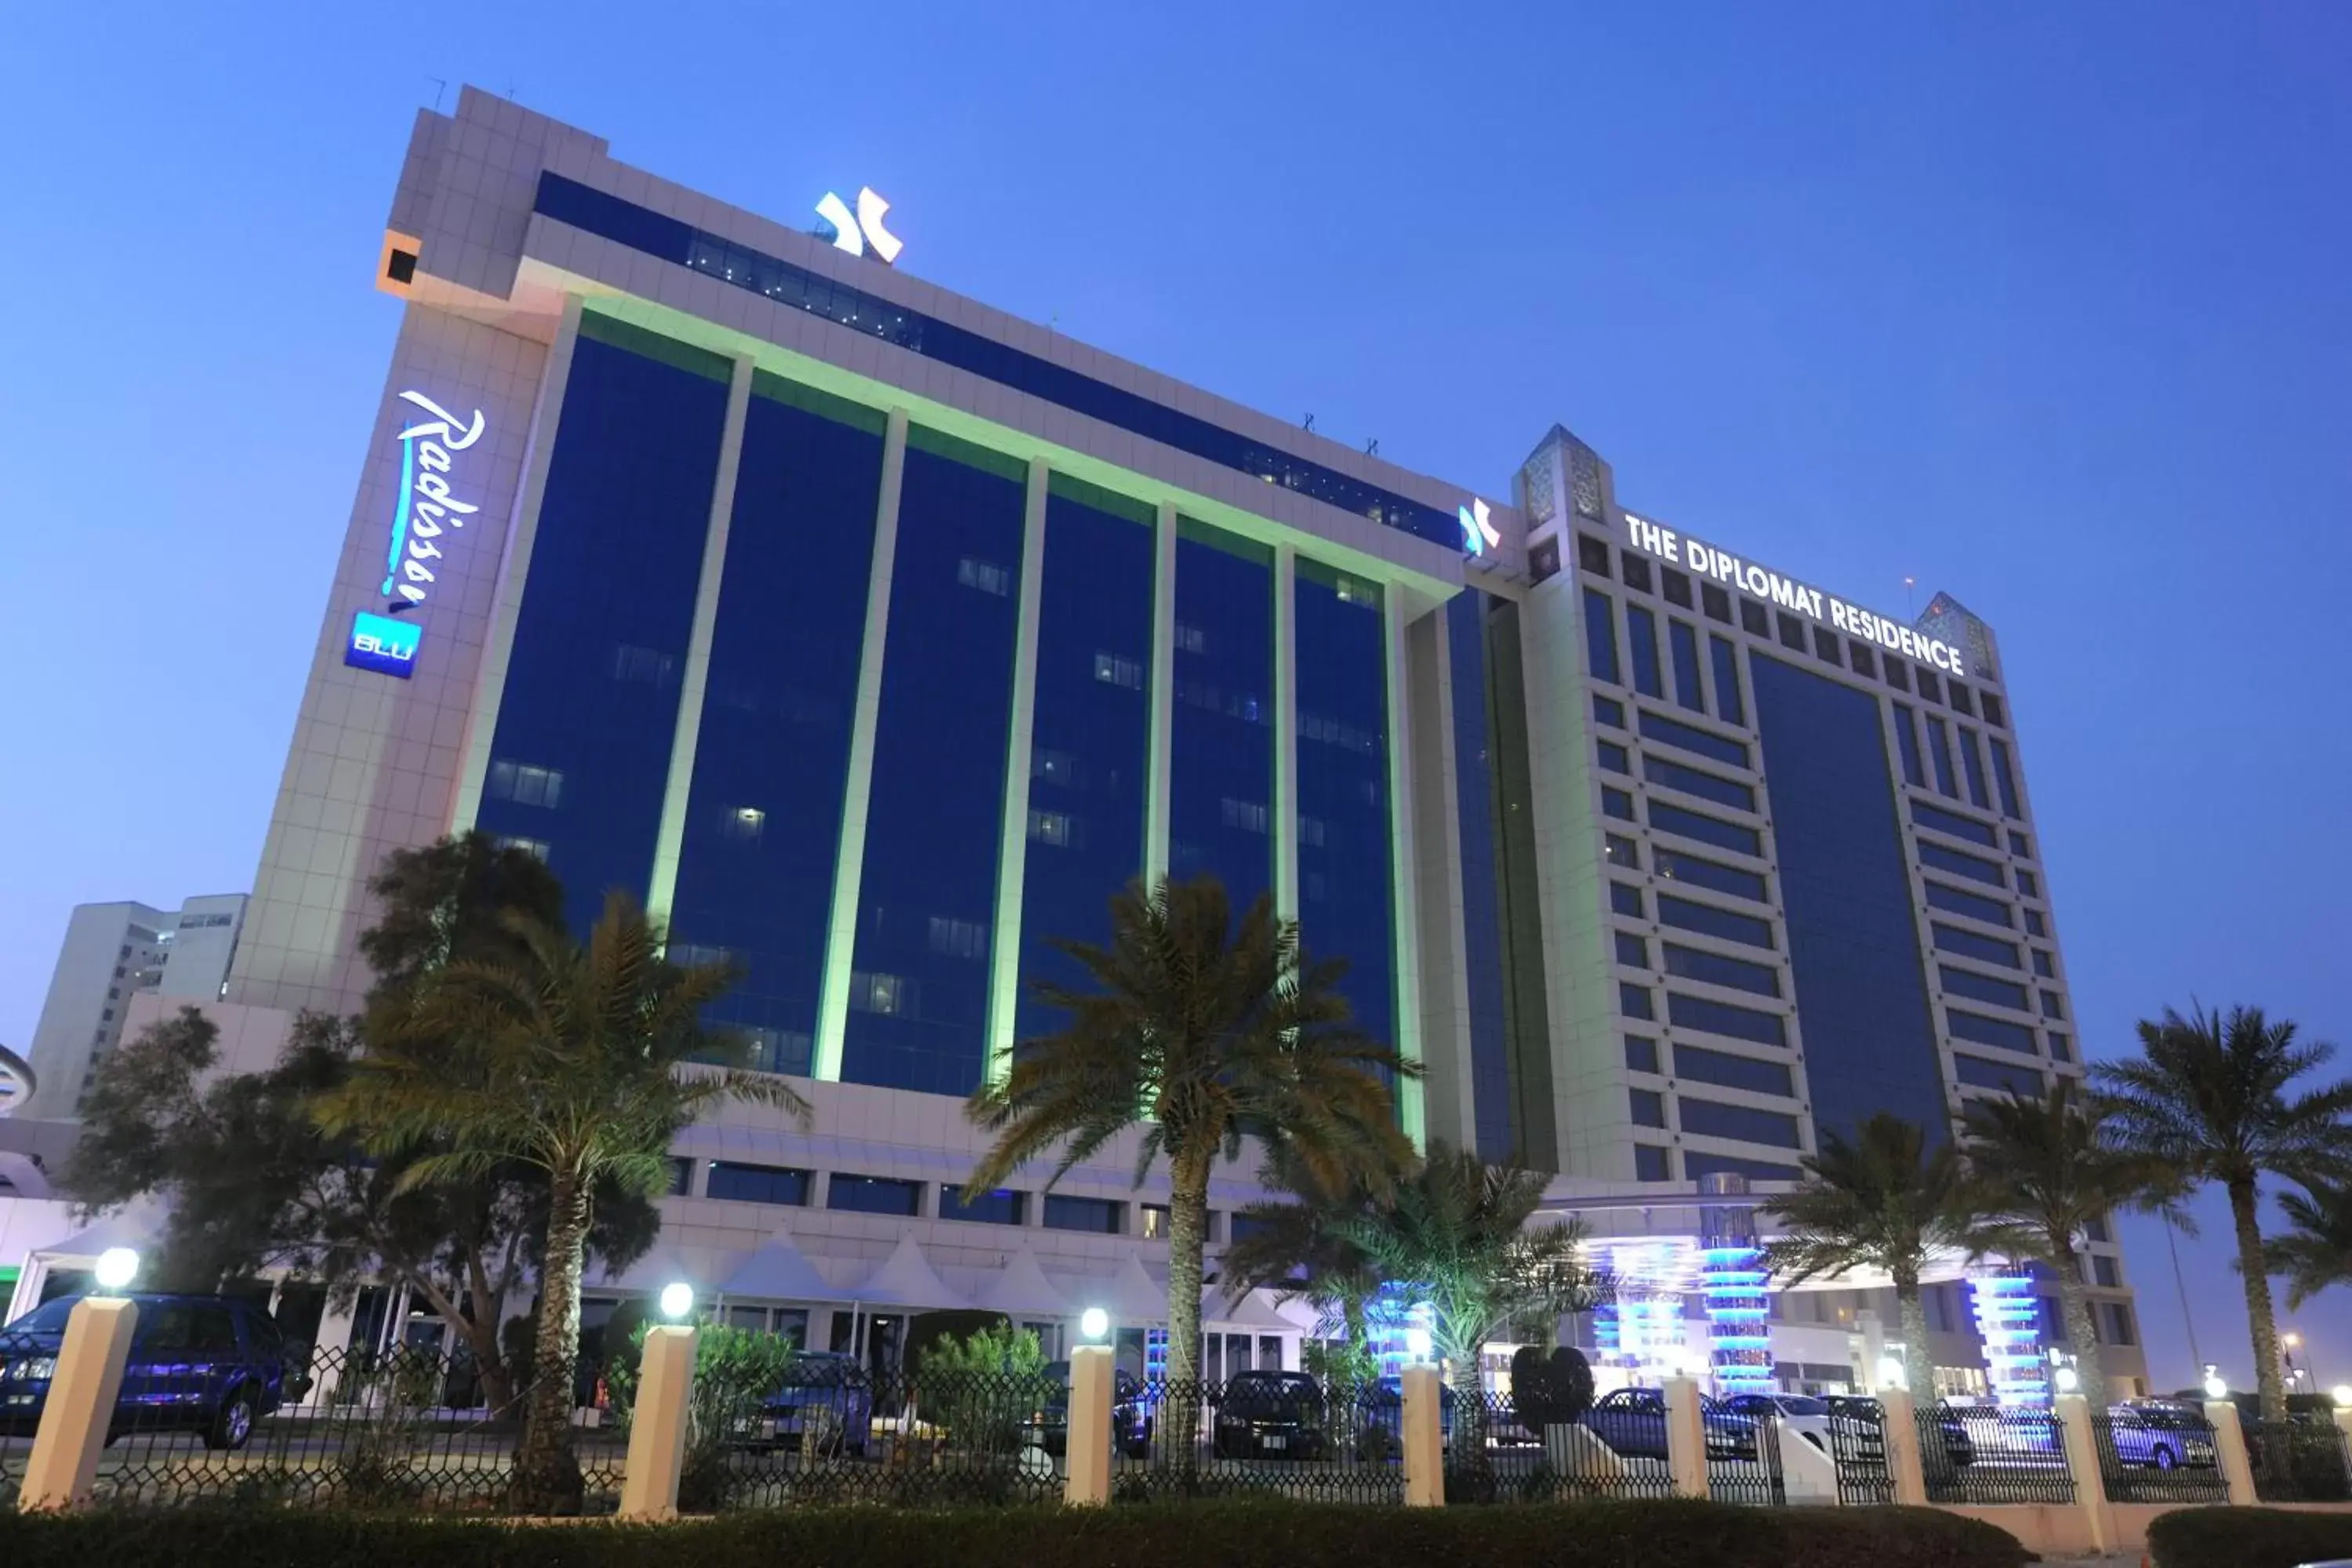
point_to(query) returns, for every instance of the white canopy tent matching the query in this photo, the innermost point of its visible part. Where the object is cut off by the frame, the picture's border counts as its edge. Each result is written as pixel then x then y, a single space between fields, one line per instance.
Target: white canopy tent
pixel 1021 1292
pixel 778 1271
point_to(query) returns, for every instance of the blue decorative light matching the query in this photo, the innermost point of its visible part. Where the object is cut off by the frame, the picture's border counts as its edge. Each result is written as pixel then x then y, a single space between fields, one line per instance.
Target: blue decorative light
pixel 1732 1289
pixel 2009 1320
pixel 382 644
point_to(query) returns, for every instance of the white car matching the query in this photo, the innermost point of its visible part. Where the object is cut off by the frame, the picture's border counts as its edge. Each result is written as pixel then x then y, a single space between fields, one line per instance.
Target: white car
pixel 1802 1413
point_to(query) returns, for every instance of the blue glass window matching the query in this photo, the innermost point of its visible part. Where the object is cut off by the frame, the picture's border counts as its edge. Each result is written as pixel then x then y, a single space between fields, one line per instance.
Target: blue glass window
pixel 1953 823
pixel 927 902
pixel 1699 1065
pixel 1633 1000
pixel 1959 865
pixel 1714 969
pixel 1642 638
pixel 1698 1163
pixel 1907 741
pixel 1676 866
pixel 873 1195
pixel 1723 835
pixel 2028 884
pixel 592 687
pixel 583 207
pixel 2042 964
pixel 1980 987
pixel 1712 1119
pixel 1617 803
pixel 1344 905
pixel 1987 1031
pixel 1641 1053
pixel 1979 1073
pixel 2019 845
pixel 1482 907
pixel 1605 710
pixel 1625 899
pixel 1002 1206
pixel 1724 1018
pixel 1647 1107
pixel 757 1184
pixel 1089 734
pixel 1968 944
pixel 1690 738
pixel 1100 1215
pixel 1633 951
pixel 2060 1048
pixel 1691 781
pixel 1221 764
pixel 1686 674
pixel 756 864
pixel 1727 704
pixel 1939 747
pixel 1854 945
pixel 1709 921
pixel 2033 923
pixel 1601 637
pixel 1992 911
pixel 1614 758
pixel 1650 1164
pixel 1621 851
pixel 2051 1007
pixel 1972 765
pixel 2005 779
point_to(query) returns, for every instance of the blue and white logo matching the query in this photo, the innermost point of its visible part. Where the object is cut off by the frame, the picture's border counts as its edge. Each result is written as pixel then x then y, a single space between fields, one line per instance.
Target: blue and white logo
pixel 1478 532
pixel 861 231
pixel 425 509
pixel 382 644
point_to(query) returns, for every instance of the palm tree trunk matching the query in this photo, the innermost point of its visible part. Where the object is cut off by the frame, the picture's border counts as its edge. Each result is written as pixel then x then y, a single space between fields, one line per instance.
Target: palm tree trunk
pixel 1918 1369
pixel 1188 1223
pixel 1469 1404
pixel 2261 1317
pixel 2074 1306
pixel 547 1474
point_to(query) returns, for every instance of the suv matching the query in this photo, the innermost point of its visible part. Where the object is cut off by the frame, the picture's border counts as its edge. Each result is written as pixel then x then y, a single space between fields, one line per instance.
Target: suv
pixel 1130 1413
pixel 2161 1434
pixel 1632 1422
pixel 208 1365
pixel 826 1406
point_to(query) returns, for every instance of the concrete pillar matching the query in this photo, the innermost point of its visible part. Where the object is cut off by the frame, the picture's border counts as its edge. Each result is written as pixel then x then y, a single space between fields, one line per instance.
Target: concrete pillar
pixel 1423 1438
pixel 1285 820
pixel 2082 1449
pixel 1013 837
pixel 1900 1434
pixel 657 1430
pixel 1685 1437
pixel 1087 1448
pixel 80 1407
pixel 2229 1450
pixel 1161 749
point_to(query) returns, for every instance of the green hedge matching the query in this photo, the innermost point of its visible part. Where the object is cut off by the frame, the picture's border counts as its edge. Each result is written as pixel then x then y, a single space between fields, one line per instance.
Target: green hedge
pixel 1653 1534
pixel 2247 1538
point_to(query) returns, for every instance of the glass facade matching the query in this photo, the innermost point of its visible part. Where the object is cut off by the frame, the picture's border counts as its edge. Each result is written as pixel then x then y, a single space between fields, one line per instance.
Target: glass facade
pixel 1862 992
pixel 579 759
pixel 1344 847
pixel 927 897
pixel 764 818
pixel 1474 769
pixel 1090 731
pixel 1220 769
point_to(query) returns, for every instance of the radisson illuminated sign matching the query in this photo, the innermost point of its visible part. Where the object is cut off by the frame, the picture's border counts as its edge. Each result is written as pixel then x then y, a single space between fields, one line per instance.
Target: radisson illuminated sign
pixel 1706 561
pixel 422 516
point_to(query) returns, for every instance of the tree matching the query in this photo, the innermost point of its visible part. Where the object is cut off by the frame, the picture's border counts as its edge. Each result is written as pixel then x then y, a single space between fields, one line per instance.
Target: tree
pixel 1456 1236
pixel 2045 1170
pixel 2317 1250
pixel 578 1062
pixel 1204 1032
pixel 1302 1246
pixel 1882 1201
pixel 2211 1097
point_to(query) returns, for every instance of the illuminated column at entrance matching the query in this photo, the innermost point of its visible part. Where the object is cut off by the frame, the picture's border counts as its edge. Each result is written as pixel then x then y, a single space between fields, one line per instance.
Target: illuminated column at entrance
pixel 2009 1320
pixel 1732 1288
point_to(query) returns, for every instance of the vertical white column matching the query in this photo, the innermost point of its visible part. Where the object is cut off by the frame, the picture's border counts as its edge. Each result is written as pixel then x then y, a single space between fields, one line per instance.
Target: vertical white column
pixel 1421 1438
pixel 671 837
pixel 1012 843
pixel 1286 731
pixel 83 1387
pixel 1685 1437
pixel 2229 1451
pixel 1899 1435
pixel 657 1429
pixel 2082 1454
pixel 1404 871
pixel 1452 1089
pixel 1087 1446
pixel 506 606
pixel 849 860
pixel 1161 752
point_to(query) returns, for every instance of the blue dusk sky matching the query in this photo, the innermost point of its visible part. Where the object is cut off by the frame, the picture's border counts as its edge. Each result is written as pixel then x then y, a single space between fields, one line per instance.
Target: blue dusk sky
pixel 2047 306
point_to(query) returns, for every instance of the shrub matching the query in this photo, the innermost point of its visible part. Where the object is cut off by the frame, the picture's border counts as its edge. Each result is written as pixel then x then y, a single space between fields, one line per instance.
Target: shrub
pixel 1241 1534
pixel 2247 1538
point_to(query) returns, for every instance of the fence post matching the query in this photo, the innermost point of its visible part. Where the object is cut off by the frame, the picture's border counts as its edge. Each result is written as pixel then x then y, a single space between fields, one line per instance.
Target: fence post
pixel 2229 1450
pixel 1899 1433
pixel 2344 1440
pixel 1423 1435
pixel 658 1426
pixel 1685 1437
pixel 80 1405
pixel 1087 1447
pixel 2080 1448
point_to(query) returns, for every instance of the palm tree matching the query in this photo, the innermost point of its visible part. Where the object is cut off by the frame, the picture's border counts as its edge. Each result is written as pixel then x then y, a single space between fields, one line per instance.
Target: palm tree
pixel 582 1062
pixel 1301 1247
pixel 1882 1201
pixel 2317 1250
pixel 2045 1170
pixel 1455 1236
pixel 2211 1097
pixel 1203 1032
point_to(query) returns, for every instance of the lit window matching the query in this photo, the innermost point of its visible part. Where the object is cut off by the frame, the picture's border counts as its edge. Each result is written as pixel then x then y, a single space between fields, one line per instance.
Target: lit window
pixel 984 575
pixel 743 823
pixel 526 785
pixel 958 938
pixel 1054 828
pixel 1116 671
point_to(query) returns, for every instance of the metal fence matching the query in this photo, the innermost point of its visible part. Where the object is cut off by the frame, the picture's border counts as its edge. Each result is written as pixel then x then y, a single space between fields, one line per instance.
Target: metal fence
pixel 1523 1459
pixel 1985 1454
pixel 2158 1455
pixel 2298 1461
pixel 1743 1458
pixel 17 1412
pixel 1857 1430
pixel 1279 1434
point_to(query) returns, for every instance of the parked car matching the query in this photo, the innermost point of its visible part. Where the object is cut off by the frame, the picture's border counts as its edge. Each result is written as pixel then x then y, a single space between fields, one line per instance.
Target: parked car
pixel 1130 1413
pixel 1865 1431
pixel 826 1404
pixel 212 1365
pixel 1268 1414
pixel 1381 1405
pixel 2162 1436
pixel 1802 1413
pixel 1632 1422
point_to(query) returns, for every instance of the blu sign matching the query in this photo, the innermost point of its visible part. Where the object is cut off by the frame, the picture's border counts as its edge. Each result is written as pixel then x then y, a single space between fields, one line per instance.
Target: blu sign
pixel 382 644
pixel 426 511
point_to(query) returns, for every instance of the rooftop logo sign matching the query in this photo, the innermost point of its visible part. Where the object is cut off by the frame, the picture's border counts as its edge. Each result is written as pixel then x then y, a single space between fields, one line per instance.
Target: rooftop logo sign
pixel 862 231
pixel 1479 531
pixel 425 509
